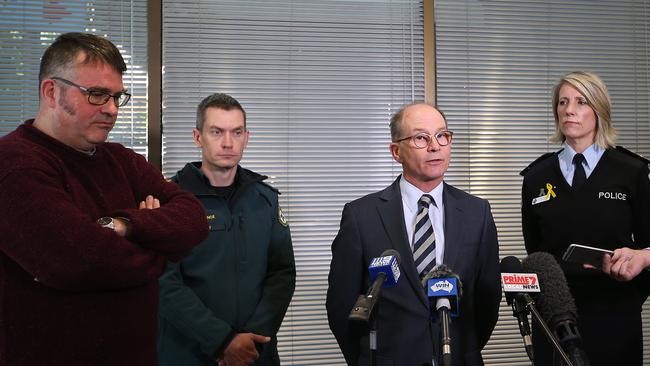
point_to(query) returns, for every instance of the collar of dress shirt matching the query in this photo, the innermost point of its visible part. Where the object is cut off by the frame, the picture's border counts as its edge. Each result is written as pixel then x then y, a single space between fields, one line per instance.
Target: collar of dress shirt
pixel 592 155
pixel 413 194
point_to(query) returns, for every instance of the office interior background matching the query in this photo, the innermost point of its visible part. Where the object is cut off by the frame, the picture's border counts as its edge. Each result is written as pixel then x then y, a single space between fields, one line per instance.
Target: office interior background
pixel 320 79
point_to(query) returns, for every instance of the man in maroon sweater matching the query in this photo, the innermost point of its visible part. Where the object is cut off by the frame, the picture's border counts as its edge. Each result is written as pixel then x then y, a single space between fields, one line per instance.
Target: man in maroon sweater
pixel 86 225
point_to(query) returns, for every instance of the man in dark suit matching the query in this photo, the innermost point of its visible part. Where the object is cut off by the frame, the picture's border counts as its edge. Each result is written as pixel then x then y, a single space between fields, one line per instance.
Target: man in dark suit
pixel 461 234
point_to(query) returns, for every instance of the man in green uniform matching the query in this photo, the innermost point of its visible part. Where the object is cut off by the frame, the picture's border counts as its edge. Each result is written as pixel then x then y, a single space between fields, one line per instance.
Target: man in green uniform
pixel 224 303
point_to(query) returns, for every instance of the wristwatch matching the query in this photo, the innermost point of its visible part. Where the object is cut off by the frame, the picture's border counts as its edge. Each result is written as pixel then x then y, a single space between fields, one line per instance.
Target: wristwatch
pixel 106 222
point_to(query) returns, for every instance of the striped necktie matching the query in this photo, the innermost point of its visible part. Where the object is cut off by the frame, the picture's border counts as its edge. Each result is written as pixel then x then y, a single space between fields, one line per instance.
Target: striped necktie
pixel 424 239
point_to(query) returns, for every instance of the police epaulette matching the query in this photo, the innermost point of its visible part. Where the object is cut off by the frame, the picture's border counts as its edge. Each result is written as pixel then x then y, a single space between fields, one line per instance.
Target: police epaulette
pixel 634 155
pixel 538 160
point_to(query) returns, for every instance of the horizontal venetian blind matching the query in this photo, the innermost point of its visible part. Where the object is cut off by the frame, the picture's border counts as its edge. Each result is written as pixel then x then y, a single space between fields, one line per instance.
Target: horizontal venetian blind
pixel 496 64
pixel 27 27
pixel 319 81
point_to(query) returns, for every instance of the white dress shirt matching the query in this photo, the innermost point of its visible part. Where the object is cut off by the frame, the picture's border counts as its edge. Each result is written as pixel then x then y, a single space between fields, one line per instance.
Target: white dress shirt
pixel 410 197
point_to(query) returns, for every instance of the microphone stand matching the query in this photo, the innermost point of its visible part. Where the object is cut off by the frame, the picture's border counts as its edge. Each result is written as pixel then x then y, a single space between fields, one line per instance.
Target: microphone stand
pixel 363 315
pixel 520 311
pixel 530 305
pixel 446 340
pixel 372 340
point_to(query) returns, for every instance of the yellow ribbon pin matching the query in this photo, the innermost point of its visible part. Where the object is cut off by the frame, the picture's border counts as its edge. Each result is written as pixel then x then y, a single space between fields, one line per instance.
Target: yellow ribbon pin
pixel 549 190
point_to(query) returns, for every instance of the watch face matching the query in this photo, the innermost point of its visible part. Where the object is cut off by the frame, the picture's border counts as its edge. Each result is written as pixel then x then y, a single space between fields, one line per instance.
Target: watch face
pixel 104 221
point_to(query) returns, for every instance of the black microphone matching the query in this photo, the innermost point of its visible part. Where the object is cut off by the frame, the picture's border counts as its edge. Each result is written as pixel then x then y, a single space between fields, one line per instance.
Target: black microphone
pixel 518 300
pixel 445 287
pixel 384 272
pixel 556 305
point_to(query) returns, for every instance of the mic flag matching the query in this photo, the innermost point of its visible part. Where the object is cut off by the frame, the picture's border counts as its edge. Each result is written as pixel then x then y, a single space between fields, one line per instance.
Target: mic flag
pixel 514 281
pixel 387 264
pixel 520 282
pixel 436 287
pixel 445 287
pixel 384 272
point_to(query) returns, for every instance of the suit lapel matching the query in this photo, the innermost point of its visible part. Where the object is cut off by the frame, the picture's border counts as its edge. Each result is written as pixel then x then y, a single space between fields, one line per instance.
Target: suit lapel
pixel 391 213
pixel 453 226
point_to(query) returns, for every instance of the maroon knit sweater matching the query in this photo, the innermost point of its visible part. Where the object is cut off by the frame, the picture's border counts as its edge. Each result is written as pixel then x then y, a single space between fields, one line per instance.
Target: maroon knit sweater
pixel 72 292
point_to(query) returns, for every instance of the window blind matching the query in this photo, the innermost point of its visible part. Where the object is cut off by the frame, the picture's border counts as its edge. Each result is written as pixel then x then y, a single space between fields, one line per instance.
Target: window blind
pixel 496 64
pixel 27 27
pixel 319 81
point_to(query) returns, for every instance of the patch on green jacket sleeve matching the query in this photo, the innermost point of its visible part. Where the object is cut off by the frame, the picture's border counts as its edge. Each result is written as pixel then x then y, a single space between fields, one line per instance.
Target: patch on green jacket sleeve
pixel 281 218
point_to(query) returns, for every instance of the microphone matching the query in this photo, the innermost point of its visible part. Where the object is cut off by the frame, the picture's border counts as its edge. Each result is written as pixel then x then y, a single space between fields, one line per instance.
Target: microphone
pixel 384 272
pixel 515 285
pixel 443 284
pixel 556 305
pixel 444 289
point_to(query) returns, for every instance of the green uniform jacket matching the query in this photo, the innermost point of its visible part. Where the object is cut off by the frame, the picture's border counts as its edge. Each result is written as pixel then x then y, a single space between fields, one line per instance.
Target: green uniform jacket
pixel 241 279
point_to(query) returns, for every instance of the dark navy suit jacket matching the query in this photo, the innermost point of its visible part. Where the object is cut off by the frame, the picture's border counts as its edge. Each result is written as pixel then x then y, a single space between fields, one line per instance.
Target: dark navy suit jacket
pixel 406 335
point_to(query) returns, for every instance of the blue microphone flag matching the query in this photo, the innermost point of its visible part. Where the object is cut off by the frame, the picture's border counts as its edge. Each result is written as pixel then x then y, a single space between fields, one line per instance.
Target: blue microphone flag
pixel 389 266
pixel 444 287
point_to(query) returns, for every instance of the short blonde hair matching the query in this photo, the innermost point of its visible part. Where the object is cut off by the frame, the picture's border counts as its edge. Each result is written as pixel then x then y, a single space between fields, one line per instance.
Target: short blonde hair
pixel 595 92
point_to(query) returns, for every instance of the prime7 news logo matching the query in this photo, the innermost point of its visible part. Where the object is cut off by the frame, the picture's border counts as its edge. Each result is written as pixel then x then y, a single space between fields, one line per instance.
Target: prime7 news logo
pixel 520 282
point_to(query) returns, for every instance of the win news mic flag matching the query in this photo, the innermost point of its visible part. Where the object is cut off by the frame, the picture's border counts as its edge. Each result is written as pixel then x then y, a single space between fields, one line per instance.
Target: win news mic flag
pixel 441 282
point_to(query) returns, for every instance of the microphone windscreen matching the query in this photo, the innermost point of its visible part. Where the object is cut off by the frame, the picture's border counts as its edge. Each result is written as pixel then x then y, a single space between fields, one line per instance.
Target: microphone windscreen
pixel 438 271
pixel 511 264
pixel 555 297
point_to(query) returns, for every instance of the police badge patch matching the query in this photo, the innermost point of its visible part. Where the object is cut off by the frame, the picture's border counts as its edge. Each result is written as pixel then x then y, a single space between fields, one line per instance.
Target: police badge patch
pixel 281 218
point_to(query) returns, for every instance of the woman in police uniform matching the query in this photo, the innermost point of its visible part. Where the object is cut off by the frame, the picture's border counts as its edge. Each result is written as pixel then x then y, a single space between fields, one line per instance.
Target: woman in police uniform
pixel 594 194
